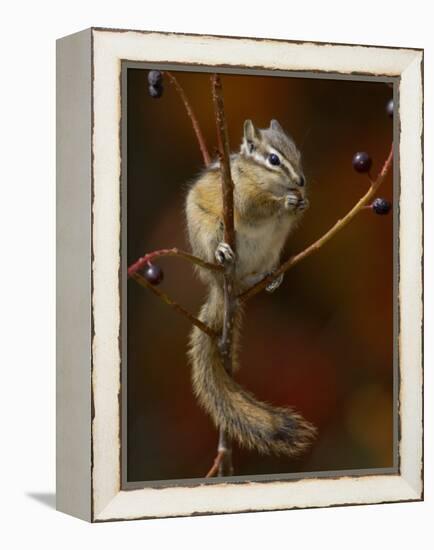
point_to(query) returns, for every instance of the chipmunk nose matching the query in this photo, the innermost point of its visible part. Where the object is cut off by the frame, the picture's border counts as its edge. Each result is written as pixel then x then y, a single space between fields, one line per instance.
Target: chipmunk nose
pixel 301 181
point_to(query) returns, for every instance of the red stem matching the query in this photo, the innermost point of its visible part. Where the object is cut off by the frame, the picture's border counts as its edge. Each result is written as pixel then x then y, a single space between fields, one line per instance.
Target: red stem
pixel 195 123
pixel 173 304
pixel 147 259
pixel 215 467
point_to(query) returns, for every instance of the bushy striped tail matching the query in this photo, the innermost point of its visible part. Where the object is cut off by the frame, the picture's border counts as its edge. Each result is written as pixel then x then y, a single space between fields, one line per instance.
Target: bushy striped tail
pixel 253 424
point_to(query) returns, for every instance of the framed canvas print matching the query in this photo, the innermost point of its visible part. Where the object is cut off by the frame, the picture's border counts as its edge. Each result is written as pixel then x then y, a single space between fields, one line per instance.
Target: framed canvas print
pixel 239 274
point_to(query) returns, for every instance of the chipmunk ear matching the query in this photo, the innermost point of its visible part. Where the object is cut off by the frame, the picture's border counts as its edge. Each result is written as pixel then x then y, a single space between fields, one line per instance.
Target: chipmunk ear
pixel 251 134
pixel 274 125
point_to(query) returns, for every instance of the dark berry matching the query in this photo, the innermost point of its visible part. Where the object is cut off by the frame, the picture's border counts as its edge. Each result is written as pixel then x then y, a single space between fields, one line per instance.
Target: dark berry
pixel 381 206
pixel 274 159
pixel 154 274
pixel 156 91
pixel 362 162
pixel 155 78
pixel 389 108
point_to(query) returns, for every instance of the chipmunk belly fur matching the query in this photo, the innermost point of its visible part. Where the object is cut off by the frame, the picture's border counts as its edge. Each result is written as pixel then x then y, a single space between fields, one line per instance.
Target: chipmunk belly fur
pixel 267 205
pixel 258 247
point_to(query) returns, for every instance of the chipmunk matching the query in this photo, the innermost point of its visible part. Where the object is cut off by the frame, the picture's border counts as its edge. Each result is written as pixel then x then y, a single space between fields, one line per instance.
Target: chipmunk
pixel 269 197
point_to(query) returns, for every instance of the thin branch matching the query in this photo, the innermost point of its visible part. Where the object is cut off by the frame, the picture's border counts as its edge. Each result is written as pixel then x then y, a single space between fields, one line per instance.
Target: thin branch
pixel 340 224
pixel 222 464
pixel 195 123
pixel 216 465
pixel 147 258
pixel 225 466
pixel 228 217
pixel 170 302
pixel 224 156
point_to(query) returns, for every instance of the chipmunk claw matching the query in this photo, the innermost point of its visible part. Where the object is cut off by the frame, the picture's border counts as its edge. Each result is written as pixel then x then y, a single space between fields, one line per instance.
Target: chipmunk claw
pixel 291 201
pixel 224 254
pixel 274 285
pixel 303 204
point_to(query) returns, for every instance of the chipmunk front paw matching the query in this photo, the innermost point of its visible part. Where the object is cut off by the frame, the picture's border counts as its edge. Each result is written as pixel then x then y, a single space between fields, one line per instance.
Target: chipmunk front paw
pixel 224 254
pixel 294 202
pixel 291 201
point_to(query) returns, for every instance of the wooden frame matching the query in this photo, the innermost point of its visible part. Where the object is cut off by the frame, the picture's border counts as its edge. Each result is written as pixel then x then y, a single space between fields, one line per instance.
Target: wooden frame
pixel 89 412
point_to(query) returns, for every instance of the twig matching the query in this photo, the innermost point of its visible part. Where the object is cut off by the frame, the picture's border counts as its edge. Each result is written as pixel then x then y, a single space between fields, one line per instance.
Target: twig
pixel 195 123
pixel 222 464
pixel 228 216
pixel 147 258
pixel 224 157
pixel 225 465
pixel 340 224
pixel 216 465
pixel 169 301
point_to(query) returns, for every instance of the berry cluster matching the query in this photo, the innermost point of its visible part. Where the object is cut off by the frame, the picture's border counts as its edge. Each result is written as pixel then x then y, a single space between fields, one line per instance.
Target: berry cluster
pixel 362 163
pixel 155 84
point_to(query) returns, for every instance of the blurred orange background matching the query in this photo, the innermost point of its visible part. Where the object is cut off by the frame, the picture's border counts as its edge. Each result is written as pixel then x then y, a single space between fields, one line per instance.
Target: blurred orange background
pixel 322 343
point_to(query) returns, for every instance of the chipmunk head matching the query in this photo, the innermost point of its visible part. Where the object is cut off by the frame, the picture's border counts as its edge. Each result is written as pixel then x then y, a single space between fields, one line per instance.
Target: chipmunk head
pixel 275 154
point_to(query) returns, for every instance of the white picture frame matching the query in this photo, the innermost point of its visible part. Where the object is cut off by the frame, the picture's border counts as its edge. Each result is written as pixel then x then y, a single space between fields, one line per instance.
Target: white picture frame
pixel 89 419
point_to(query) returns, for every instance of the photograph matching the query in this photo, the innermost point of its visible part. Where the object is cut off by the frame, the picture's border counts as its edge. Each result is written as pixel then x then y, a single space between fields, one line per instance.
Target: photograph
pixel 268 371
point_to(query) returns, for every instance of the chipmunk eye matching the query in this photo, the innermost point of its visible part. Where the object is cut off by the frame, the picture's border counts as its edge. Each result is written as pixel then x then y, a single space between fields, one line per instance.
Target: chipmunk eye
pixel 274 159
